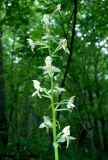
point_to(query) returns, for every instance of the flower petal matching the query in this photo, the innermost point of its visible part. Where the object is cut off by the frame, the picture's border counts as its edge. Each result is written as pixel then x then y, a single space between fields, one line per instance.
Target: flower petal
pixel 42 125
pixel 72 138
pixel 36 84
pixel 46 19
pixel 62 139
pixel 55 69
pixel 48 61
pixel 34 93
pixel 66 131
pixel 47 121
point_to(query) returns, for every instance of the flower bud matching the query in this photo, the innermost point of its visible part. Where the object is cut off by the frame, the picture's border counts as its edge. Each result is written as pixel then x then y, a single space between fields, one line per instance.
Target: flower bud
pixel 48 61
pixel 46 19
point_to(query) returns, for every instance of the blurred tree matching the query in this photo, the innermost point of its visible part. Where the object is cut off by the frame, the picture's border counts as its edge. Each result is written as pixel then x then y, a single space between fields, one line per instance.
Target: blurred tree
pixel 3 118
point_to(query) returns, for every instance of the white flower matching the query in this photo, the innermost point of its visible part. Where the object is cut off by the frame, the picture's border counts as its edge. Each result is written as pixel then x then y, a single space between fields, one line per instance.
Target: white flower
pixel 36 84
pixel 46 36
pixel 31 43
pixel 66 136
pixel 63 44
pixel 46 123
pixel 52 69
pixel 46 19
pixel 58 7
pixel 48 61
pixel 55 69
pixel 70 104
pixel 60 89
pixel 49 68
pixel 38 88
pixel 66 131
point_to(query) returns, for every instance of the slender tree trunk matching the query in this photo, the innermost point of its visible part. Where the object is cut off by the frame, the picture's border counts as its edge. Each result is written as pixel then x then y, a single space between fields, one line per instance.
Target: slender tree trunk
pixel 75 3
pixel 99 104
pixel 3 120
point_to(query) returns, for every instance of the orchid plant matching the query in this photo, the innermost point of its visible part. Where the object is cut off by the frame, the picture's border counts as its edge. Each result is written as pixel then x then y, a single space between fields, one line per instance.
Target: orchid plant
pixel 50 70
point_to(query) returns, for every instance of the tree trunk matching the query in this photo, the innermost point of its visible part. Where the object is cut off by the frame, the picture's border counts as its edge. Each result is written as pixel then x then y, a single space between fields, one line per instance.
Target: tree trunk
pixel 3 120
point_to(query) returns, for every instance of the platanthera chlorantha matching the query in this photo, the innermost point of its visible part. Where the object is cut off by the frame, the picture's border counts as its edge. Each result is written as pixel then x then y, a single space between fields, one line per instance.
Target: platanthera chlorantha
pixel 59 136
pixel 52 123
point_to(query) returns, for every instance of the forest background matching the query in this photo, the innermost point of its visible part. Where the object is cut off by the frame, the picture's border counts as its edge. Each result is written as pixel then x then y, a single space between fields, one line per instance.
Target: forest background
pixel 84 74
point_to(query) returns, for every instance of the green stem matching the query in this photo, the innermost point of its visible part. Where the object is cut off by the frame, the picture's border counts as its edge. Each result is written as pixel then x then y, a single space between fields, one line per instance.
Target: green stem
pixel 49 39
pixel 54 121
